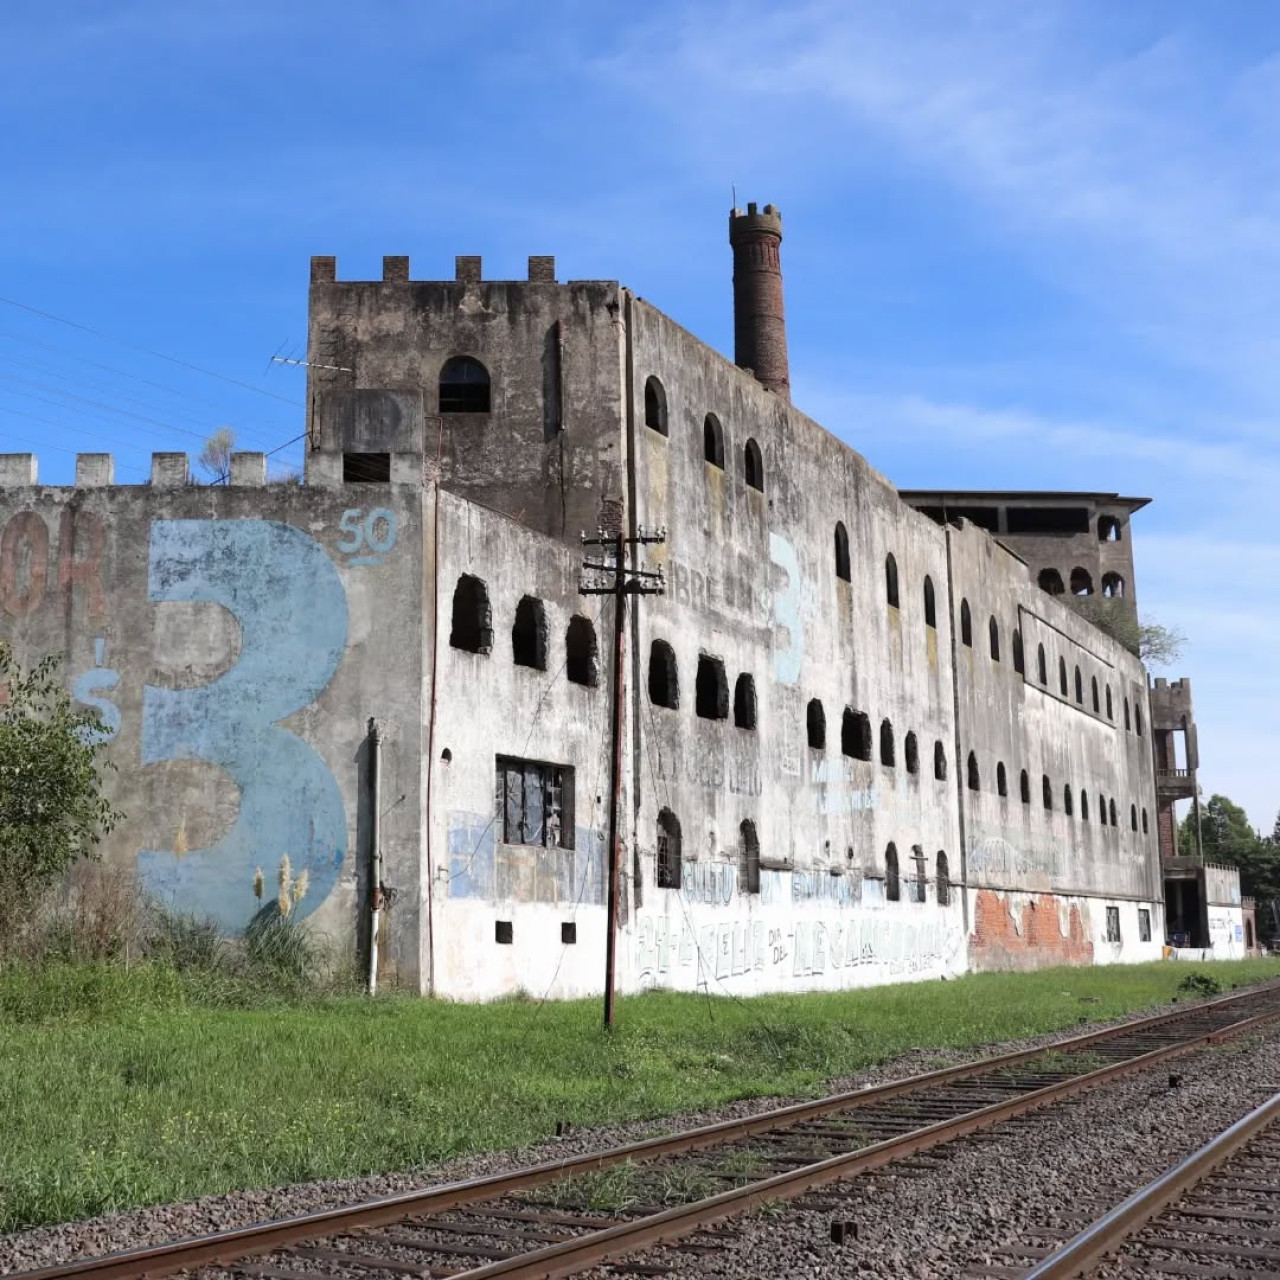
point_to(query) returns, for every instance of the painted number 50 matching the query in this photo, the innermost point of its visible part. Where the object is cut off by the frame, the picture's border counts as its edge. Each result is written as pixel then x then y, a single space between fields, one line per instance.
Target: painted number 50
pixel 374 530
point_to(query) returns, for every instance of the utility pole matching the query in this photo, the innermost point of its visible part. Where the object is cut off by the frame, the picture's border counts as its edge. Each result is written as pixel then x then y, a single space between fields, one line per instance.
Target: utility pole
pixel 611 577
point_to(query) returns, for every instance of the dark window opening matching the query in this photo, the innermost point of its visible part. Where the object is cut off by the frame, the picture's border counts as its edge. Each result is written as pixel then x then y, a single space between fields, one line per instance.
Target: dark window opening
pixel 1047 519
pixel 1111 810
pixel 816 723
pixel 886 743
pixel 911 752
pixel 655 406
pixel 1002 779
pixel 582 660
pixel 993 636
pixel 664 680
pixel 1079 687
pixel 1081 582
pixel 1046 789
pixel 892 885
pixel 1084 805
pixel 1110 710
pixel 939 762
pixel 1144 924
pixel 744 702
pixel 1133 817
pixel 472 626
pixel 568 933
pixel 966 624
pixel 668 850
pixel 1050 580
pixel 1144 822
pixel 855 734
pixel 1113 924
pixel 753 466
pixel 1112 586
pixel 1102 809
pixel 529 634
pixel 1068 802
pixel 1062 676
pixel 535 803
pixel 942 876
pixel 1094 687
pixel 713 441
pixel 1042 667
pixel 891 580
pixel 464 386
pixel 842 551
pixel 1108 529
pixel 1024 786
pixel 918 881
pixel 1019 663
pixel 1128 725
pixel 711 690
pixel 1137 717
pixel 503 932
pixel 930 608
pixel 972 770
pixel 748 858
pixel 366 468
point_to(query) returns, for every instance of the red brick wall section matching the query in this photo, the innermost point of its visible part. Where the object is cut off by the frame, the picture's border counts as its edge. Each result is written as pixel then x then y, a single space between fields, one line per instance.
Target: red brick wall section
pixel 1001 941
pixel 1166 826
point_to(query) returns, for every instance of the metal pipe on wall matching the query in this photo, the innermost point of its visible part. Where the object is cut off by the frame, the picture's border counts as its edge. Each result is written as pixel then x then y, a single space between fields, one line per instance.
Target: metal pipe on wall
pixel 374 741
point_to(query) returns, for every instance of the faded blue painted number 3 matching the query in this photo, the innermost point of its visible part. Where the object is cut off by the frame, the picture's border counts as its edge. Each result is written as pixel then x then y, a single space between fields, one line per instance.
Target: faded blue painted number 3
pixel 287 595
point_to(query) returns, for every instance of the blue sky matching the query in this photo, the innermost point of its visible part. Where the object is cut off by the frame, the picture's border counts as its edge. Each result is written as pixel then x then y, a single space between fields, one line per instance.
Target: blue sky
pixel 1027 245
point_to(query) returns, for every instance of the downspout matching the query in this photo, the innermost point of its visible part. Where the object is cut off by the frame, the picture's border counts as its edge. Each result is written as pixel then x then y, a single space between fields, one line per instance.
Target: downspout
pixel 955 717
pixel 374 741
pixel 431 722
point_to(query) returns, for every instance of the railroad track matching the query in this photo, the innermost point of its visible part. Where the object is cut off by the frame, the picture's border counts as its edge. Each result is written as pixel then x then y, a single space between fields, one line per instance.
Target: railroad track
pixel 1216 1215
pixel 675 1191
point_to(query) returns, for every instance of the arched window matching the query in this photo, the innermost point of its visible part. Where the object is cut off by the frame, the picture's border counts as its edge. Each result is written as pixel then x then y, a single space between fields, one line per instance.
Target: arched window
pixel 942 876
pixel 1137 717
pixel 918 881
pixel 891 580
pixel 713 441
pixel 1128 726
pixel 655 406
pixel 1079 687
pixel 464 386
pixel 744 702
pixel 748 858
pixel 1024 787
pixel 1111 809
pixel 1110 709
pixel 886 743
pixel 1108 529
pixel 816 723
pixel 1084 805
pixel 582 664
pixel 966 624
pixel 664 679
pixel 855 734
pixel 1112 586
pixel 711 689
pixel 1002 779
pixel 1062 675
pixel 668 850
pixel 993 636
pixel 1094 682
pixel 842 551
pixel 1050 580
pixel 1019 662
pixel 1068 805
pixel 892 885
pixel 1102 809
pixel 971 770
pixel 911 753
pixel 1133 817
pixel 529 634
pixel 1042 667
pixel 1081 582
pixel 1144 822
pixel 939 762
pixel 930 608
pixel 1046 788
pixel 753 466
pixel 472 627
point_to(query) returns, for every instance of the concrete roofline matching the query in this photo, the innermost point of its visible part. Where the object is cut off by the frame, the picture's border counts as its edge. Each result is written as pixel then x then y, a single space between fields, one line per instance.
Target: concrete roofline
pixel 1039 495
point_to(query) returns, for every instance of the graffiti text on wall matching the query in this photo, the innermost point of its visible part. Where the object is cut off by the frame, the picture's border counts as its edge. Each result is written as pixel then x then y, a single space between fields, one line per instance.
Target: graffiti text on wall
pixel 29 574
pixel 715 772
pixel 285 593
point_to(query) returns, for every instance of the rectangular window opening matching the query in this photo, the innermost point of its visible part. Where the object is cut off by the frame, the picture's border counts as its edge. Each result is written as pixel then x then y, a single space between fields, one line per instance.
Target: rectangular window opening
pixel 366 468
pixel 503 932
pixel 534 802
pixel 1113 924
pixel 568 933
pixel 1144 925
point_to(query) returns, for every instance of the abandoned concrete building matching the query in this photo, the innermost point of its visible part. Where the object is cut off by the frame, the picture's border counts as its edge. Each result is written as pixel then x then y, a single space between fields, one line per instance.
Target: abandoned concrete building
pixel 864 735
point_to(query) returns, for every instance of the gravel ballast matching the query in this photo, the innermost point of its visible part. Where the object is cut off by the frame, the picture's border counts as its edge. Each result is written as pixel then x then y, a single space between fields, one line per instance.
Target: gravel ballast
pixel 910 1230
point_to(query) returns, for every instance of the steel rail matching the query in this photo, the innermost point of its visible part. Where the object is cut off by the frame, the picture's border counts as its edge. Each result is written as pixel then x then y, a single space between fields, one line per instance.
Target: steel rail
pixel 574 1255
pixel 258 1238
pixel 1111 1230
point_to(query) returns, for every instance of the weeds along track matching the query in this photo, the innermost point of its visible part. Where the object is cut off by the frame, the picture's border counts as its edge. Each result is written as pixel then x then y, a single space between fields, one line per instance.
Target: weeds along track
pixel 561 1218
pixel 1216 1214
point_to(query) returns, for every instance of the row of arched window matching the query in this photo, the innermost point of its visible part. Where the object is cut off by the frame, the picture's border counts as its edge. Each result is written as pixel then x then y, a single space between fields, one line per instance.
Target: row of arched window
pixel 919 881
pixel 711 687
pixel 471 630
pixel 655 418
pixel 1050 580
pixel 1106 808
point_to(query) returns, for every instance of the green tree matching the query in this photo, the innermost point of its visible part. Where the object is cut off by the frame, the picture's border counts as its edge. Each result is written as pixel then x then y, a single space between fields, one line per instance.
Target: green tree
pixel 1156 644
pixel 52 811
pixel 1229 839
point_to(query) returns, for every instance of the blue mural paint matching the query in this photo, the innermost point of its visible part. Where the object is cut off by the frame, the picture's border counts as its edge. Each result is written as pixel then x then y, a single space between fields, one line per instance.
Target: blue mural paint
pixel 477 869
pixel 86 688
pixel 286 594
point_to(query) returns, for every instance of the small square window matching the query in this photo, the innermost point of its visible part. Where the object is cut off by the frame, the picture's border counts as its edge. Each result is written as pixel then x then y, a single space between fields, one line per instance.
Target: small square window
pixel 568 933
pixel 503 932
pixel 366 468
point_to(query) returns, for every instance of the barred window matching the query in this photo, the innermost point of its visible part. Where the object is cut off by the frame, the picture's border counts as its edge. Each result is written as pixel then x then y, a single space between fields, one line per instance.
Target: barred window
pixel 535 803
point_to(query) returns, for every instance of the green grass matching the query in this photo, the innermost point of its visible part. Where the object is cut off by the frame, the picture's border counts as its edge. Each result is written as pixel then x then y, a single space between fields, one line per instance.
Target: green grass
pixel 120 1089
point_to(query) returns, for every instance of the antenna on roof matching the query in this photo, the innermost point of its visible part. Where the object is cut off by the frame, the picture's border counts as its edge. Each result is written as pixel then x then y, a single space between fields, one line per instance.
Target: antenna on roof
pixel 733 188
pixel 306 364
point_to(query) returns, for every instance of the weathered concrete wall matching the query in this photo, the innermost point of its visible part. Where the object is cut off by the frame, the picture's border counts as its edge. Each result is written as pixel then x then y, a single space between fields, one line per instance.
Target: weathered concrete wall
pixel 235 640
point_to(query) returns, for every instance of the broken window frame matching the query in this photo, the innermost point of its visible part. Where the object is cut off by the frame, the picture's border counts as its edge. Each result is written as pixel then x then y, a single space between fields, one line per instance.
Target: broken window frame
pixel 1113 924
pixel 668 864
pixel 535 803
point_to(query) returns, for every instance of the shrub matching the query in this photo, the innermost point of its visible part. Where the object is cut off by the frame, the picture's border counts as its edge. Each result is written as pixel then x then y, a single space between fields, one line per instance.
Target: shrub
pixel 1200 984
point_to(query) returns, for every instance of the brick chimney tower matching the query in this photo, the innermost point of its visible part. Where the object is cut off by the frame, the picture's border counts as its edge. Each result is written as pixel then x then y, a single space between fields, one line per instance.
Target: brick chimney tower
pixel 759 326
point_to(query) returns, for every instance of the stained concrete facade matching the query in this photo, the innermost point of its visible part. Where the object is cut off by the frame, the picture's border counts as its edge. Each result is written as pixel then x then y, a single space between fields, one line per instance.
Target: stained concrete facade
pixel 800 709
